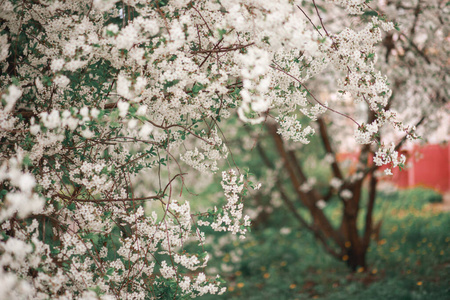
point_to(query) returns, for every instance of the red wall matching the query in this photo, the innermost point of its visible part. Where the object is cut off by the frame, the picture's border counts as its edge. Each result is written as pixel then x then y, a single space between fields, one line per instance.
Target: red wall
pixel 428 166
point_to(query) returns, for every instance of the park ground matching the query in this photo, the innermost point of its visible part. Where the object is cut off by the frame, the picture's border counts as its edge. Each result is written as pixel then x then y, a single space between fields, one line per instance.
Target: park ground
pixel 408 260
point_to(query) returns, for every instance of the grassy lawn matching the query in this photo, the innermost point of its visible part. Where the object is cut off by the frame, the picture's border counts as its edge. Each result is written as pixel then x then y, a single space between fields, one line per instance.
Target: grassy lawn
pixel 410 259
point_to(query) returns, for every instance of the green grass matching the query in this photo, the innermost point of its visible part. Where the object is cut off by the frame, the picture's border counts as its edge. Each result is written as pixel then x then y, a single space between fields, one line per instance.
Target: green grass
pixel 410 260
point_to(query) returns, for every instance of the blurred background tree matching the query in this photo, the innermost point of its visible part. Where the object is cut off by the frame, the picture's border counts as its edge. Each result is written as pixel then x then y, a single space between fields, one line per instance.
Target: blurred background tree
pixel 308 178
pixel 330 187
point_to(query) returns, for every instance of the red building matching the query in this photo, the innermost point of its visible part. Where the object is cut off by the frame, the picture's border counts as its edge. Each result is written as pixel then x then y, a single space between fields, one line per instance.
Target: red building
pixel 428 166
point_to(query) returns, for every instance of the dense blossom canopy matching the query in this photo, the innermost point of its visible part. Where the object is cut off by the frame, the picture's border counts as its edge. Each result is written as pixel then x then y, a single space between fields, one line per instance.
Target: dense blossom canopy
pixel 95 95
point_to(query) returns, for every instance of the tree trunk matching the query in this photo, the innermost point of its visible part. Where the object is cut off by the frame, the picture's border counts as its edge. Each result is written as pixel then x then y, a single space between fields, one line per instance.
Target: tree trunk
pixel 356 259
pixel 354 246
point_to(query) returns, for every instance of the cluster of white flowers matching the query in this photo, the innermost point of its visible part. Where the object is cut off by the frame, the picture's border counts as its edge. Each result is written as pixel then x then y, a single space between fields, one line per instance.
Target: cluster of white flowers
pixel 7 121
pixel 10 97
pixel 366 132
pixel 23 252
pixel 336 183
pixel 291 129
pixel 89 175
pixel 286 102
pixel 213 149
pixel 353 52
pixel 130 91
pixel 355 7
pixel 387 155
pixel 21 200
pixel 321 204
pixel 4 46
pixel 231 218
pixel 314 112
pixel 308 185
pixel 346 194
pixel 256 82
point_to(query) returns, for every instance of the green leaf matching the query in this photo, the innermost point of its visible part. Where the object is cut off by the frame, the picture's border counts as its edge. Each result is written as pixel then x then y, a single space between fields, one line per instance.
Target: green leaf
pixel 222 32
pixel 72 206
pixel 197 88
pixel 3 193
pixel 370 13
pixel 27 161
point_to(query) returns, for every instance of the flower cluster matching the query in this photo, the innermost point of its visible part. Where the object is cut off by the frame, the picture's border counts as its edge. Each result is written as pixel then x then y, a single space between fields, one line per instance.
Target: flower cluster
pixel 365 133
pixel 291 129
pixel 231 217
pixel 387 155
pixel 21 199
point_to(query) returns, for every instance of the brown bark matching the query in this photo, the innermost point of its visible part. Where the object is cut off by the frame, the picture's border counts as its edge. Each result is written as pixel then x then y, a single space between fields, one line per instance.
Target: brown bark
pixel 327 145
pixel 307 199
pixel 354 245
pixel 316 231
pixel 292 209
pixel 370 205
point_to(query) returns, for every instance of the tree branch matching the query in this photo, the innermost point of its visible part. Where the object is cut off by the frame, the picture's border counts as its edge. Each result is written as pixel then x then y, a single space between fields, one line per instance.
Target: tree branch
pixel 327 145
pixel 308 199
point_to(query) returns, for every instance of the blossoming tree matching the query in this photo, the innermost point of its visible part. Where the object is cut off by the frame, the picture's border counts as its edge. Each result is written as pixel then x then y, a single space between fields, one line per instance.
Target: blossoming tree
pixel 415 59
pixel 94 94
